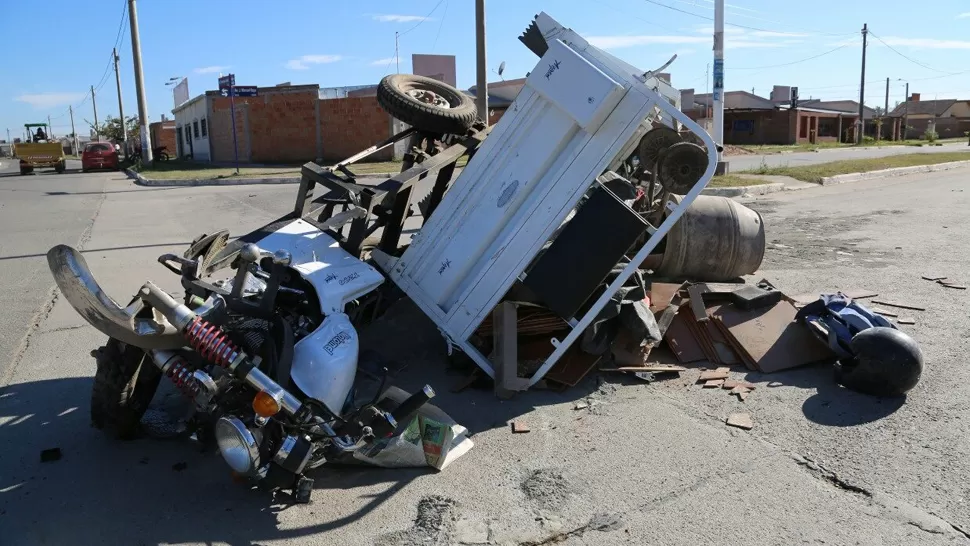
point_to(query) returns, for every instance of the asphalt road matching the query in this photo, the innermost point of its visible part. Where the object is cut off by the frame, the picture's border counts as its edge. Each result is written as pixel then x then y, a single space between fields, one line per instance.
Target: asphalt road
pixel 753 161
pixel 644 464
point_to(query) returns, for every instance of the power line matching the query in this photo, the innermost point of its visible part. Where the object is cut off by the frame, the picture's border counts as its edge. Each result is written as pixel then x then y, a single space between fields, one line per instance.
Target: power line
pixel 426 17
pixel 910 59
pixel 706 18
pixel 794 62
pixel 440 25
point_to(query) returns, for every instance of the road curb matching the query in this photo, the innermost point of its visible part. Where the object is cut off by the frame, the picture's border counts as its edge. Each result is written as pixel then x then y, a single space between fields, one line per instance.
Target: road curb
pixel 898 171
pixel 142 181
pixel 740 191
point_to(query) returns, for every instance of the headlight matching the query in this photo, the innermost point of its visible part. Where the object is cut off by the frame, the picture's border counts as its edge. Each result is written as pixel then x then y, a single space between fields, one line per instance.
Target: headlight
pixel 237 444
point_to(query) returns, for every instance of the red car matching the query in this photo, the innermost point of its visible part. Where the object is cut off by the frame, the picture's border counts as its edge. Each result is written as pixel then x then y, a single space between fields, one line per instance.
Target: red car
pixel 99 155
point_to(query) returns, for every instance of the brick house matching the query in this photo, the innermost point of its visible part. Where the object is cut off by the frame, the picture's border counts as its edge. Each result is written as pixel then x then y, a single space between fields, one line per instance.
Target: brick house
pixel 948 117
pixel 162 133
pixel 500 97
pixel 283 124
pixel 752 119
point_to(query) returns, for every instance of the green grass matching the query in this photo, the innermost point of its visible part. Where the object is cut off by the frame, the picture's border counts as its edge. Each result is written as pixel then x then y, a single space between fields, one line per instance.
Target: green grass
pixel 733 181
pixel 184 170
pixel 775 149
pixel 815 173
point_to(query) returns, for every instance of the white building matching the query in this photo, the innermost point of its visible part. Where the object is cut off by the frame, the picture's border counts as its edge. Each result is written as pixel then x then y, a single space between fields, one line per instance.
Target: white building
pixel 192 128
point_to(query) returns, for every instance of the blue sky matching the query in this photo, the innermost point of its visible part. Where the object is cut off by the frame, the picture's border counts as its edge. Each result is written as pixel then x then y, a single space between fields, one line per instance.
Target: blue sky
pixel 814 45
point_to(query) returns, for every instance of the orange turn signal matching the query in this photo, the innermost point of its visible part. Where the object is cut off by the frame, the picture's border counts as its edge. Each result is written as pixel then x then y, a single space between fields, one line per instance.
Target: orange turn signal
pixel 265 404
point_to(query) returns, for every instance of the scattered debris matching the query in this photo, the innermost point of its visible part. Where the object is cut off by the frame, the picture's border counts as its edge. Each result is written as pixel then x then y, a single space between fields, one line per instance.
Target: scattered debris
pixel 730 383
pixel 713 384
pixel 928 278
pixel 580 406
pixel 520 427
pixel 743 395
pixel 884 313
pixel 50 455
pixel 740 420
pixel 906 321
pixel 860 293
pixel 951 285
pixel 710 375
pixel 899 305
pixel 547 487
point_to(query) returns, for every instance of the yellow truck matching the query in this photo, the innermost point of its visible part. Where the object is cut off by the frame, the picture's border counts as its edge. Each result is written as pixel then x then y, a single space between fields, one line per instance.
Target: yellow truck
pixel 40 152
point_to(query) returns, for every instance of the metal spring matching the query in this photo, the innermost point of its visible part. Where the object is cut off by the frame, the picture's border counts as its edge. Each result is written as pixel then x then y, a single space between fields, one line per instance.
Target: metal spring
pixel 211 342
pixel 180 374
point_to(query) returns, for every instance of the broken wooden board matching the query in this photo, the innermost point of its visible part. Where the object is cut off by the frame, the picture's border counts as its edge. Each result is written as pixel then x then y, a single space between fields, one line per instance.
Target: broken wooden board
pixel 740 420
pixel 661 293
pixel 899 305
pixel 859 293
pixel 664 368
pixel 952 285
pixel 933 278
pixel 906 321
pixel 714 375
pixel 682 342
pixel 572 367
pixel 772 338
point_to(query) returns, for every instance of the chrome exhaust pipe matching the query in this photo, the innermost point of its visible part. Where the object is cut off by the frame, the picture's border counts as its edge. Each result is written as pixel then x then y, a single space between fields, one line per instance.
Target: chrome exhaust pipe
pixel 75 281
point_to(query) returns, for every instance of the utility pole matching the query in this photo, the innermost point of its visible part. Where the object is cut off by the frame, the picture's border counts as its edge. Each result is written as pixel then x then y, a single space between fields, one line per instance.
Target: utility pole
pixel 94 104
pixel 146 142
pixel 73 131
pixel 862 88
pixel 885 109
pixel 906 113
pixel 397 56
pixel 481 93
pixel 50 129
pixel 121 107
pixel 719 81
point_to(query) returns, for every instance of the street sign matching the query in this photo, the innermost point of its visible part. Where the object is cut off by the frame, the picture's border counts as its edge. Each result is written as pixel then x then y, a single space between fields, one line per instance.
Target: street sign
pixel 244 91
pixel 225 82
pixel 239 91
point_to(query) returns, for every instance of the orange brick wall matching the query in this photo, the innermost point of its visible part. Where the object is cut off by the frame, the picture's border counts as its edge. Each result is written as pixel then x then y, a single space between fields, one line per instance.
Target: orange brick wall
pixel 272 128
pixel 353 124
pixel 163 134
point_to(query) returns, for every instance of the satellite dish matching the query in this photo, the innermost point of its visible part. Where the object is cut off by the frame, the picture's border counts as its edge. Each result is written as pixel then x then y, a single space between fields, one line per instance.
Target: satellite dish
pixel 501 68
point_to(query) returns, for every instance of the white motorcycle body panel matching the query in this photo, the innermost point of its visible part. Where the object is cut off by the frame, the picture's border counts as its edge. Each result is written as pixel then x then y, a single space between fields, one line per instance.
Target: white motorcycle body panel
pixel 325 362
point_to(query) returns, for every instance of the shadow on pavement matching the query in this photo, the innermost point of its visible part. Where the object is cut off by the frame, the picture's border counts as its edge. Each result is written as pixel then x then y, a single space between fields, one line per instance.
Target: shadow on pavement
pixel 155 491
pixel 832 405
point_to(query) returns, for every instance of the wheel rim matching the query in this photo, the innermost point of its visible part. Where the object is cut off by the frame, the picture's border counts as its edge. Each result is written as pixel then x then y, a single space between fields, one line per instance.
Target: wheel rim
pixel 426 96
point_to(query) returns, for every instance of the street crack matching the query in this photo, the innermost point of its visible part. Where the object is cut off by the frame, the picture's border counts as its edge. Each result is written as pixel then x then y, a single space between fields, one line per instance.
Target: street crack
pixel 825 474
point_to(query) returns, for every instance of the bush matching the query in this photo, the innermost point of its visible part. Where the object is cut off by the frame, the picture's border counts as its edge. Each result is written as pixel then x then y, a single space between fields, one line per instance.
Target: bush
pixel 868 140
pixel 931 136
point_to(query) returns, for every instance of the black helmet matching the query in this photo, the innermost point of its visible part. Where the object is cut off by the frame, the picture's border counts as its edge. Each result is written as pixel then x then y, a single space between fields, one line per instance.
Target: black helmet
pixel 887 362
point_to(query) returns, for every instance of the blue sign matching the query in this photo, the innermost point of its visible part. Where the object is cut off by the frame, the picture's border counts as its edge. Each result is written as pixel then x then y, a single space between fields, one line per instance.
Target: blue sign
pixel 225 82
pixel 244 91
pixel 718 74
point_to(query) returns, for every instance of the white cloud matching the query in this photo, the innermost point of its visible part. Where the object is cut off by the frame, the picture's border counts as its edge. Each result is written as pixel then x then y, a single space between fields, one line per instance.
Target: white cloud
pixel 964 15
pixel 211 69
pixel 304 62
pixel 400 18
pixel 383 62
pixel 926 43
pixel 617 42
pixel 49 100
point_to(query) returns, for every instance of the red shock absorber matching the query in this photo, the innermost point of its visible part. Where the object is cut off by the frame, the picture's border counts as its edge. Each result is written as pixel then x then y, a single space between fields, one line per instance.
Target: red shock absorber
pixel 179 372
pixel 211 342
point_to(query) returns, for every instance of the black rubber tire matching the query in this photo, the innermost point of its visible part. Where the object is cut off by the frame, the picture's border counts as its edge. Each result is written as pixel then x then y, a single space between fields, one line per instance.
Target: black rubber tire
pixel 124 385
pixel 163 156
pixel 392 95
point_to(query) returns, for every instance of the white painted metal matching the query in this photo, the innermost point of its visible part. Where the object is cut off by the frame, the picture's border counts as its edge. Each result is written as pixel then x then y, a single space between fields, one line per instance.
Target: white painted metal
pixel 337 277
pixel 580 110
pixel 325 362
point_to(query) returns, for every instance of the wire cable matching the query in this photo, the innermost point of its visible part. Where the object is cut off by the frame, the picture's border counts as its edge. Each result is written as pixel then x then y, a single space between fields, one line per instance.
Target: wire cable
pixel 793 62
pixel 706 18
pixel 426 17
pixel 440 25
pixel 910 59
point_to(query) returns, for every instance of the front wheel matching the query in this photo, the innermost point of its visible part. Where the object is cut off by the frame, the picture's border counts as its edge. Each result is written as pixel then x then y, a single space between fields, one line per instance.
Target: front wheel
pixel 124 385
pixel 163 156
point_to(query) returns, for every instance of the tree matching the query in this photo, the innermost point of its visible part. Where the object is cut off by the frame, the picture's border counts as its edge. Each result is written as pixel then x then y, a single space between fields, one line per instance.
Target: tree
pixel 879 111
pixel 111 128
